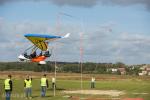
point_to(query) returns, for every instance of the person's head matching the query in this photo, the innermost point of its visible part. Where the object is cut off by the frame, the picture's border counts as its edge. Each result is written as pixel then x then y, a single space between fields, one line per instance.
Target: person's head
pixel 9 76
pixel 44 75
pixel 27 77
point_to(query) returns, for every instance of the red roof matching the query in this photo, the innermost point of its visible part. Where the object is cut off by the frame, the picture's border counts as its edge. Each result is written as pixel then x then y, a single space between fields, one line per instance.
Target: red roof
pixel 121 69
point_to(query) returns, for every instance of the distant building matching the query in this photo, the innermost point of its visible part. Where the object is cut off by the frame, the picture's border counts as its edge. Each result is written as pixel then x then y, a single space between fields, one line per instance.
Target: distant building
pixel 122 71
pixel 148 71
pixel 145 70
pixel 112 70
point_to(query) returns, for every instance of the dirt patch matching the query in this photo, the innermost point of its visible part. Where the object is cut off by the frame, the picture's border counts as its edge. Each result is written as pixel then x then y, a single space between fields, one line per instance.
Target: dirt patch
pixel 96 92
pixel 65 76
pixel 133 99
pixel 141 93
pixel 23 74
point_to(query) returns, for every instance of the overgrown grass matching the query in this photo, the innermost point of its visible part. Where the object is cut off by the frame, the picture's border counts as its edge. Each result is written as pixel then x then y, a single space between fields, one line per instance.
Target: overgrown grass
pixel 133 87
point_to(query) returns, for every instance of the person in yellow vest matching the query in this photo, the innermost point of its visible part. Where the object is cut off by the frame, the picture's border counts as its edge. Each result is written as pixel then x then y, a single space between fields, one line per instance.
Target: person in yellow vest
pixel 44 85
pixel 8 87
pixel 28 87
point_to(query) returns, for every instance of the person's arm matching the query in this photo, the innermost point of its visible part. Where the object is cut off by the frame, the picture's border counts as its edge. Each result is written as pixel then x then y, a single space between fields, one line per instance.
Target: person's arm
pixel 40 81
pixel 24 84
pixel 11 85
pixel 47 83
pixel 4 84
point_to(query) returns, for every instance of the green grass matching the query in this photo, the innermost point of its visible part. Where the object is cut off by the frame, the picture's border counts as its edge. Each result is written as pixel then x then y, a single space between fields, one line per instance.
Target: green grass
pixel 129 86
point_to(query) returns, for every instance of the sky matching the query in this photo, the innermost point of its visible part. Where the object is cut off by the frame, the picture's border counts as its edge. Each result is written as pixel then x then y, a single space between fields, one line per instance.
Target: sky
pixel 110 30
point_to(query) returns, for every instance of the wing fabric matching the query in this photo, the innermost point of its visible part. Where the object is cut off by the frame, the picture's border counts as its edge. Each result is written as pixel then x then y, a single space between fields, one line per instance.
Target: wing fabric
pixel 40 40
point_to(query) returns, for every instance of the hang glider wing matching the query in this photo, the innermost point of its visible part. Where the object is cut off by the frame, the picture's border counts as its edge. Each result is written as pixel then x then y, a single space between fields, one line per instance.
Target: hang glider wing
pixel 41 40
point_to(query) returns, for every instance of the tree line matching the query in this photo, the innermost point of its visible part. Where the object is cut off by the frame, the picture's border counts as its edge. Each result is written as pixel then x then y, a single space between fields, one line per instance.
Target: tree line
pixel 74 67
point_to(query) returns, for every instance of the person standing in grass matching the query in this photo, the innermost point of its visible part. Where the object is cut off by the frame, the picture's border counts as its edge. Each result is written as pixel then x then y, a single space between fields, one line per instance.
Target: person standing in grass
pixel 53 83
pixel 44 85
pixel 28 87
pixel 8 87
pixel 93 82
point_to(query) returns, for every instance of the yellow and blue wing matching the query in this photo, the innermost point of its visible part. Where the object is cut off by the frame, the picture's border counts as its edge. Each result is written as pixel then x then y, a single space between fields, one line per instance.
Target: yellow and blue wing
pixel 40 40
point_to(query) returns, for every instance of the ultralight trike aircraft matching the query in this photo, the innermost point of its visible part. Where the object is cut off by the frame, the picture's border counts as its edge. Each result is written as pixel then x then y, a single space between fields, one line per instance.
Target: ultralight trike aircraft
pixel 40 42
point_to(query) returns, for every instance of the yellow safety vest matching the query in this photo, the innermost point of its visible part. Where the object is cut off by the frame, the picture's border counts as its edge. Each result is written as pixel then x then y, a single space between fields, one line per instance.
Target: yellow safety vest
pixel 43 82
pixel 28 83
pixel 7 85
pixel 53 80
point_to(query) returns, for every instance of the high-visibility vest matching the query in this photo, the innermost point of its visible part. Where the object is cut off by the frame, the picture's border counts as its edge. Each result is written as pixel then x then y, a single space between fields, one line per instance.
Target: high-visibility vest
pixel 7 85
pixel 43 82
pixel 28 83
pixel 53 80
pixel 93 79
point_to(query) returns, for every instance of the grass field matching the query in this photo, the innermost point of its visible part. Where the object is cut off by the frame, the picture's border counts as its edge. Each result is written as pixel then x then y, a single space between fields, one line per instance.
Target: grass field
pixel 133 87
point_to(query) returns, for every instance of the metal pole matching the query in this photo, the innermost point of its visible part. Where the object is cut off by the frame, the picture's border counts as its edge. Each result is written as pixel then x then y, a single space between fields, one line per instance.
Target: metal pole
pixel 81 58
pixel 54 87
pixel 81 53
pixel 57 29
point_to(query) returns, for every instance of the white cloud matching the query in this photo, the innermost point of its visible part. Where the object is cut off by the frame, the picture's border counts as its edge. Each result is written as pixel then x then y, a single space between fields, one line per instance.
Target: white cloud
pixel 98 43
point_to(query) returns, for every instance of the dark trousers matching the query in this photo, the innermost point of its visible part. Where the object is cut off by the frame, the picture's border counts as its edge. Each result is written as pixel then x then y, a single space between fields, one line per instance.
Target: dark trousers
pixel 8 94
pixel 53 85
pixel 43 91
pixel 92 84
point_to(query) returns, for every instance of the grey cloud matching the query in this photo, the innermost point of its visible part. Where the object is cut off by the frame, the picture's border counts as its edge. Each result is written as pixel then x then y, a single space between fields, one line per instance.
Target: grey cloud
pixel 82 3
pixel 127 2
pixel 92 3
pixel 89 3
pixel 145 3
